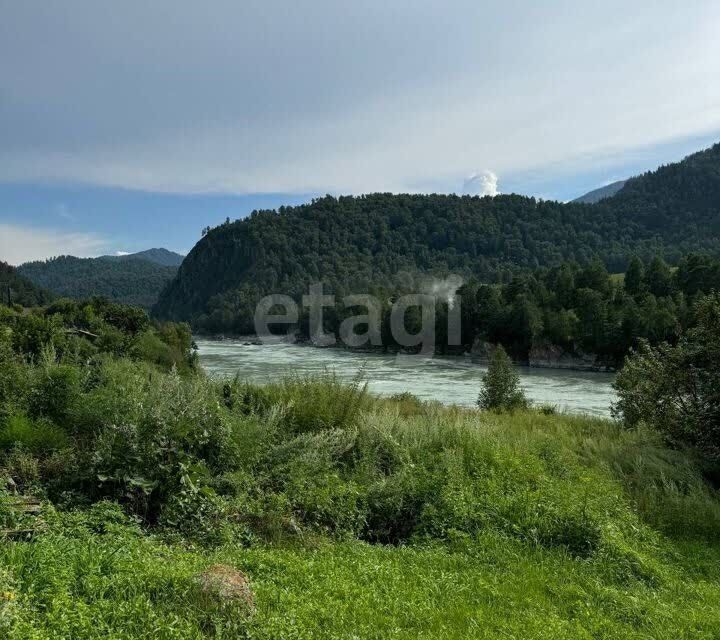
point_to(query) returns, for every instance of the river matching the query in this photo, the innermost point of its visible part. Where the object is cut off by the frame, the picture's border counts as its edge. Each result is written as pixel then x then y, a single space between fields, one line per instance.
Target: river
pixel 451 380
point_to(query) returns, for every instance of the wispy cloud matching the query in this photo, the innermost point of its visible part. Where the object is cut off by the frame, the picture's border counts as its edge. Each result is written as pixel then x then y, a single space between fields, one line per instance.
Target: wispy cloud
pixel 340 102
pixel 21 244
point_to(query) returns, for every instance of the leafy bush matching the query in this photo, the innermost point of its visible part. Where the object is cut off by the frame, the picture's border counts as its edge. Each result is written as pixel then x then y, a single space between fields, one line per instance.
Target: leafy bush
pixel 676 389
pixel 23 468
pixel 78 331
pixel 167 349
pixel 14 378
pixel 55 392
pixel 37 436
pixel 501 385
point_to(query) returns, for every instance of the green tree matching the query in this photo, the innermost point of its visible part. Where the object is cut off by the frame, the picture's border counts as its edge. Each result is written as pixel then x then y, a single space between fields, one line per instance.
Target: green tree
pixel 635 276
pixel 594 276
pixel 676 390
pixel 659 277
pixel 501 385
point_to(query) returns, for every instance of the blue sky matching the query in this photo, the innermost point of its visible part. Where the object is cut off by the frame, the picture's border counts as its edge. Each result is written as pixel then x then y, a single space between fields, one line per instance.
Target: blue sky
pixel 136 125
pixel 90 220
pixel 101 220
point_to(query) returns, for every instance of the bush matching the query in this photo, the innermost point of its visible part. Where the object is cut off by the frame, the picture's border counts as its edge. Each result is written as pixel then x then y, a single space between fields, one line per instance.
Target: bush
pixel 501 385
pixel 676 389
pixel 55 392
pixel 23 468
pixel 14 379
pixel 548 409
pixel 309 404
pixel 166 352
pixel 36 436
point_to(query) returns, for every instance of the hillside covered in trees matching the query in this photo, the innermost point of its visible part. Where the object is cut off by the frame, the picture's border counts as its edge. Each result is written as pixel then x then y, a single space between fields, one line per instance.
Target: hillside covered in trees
pixel 133 279
pixel 15 289
pixel 159 256
pixel 377 241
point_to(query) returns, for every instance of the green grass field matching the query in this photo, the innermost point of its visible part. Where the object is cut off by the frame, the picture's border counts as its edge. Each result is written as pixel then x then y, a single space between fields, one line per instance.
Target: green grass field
pixel 408 521
pixel 486 588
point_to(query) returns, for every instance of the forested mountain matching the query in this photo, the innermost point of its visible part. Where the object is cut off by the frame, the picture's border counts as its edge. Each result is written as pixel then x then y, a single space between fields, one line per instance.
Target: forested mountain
pixel 125 279
pixel 16 289
pixel 609 190
pixel 162 257
pixel 361 243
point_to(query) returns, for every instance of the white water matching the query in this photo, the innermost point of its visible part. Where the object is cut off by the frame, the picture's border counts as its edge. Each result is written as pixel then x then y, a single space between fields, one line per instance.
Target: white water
pixel 452 380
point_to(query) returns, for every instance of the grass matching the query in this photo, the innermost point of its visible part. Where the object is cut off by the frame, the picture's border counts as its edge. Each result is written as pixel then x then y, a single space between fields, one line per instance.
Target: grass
pixel 353 517
pixel 117 585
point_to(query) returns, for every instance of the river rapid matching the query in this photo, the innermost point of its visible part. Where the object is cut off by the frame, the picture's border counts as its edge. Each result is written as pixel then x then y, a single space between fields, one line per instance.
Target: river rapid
pixel 450 380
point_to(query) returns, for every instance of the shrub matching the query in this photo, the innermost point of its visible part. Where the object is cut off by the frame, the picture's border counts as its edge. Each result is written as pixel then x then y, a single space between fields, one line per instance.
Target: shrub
pixel 55 392
pixel 548 409
pixel 23 468
pixel 676 390
pixel 309 404
pixel 14 379
pixel 197 513
pixel 501 385
pixel 37 436
pixel 150 347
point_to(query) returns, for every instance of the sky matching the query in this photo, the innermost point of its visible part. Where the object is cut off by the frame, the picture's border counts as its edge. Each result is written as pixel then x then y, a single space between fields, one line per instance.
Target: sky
pixel 130 125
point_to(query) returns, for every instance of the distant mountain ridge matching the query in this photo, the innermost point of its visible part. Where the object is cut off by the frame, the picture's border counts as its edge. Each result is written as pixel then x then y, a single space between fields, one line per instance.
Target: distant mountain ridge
pixel 608 191
pixel 359 244
pixel 160 256
pixel 134 279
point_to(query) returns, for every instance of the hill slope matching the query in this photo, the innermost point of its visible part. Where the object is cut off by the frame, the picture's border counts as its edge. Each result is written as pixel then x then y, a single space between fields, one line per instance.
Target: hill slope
pixel 17 289
pixel 353 243
pixel 131 281
pixel 596 195
pixel 163 257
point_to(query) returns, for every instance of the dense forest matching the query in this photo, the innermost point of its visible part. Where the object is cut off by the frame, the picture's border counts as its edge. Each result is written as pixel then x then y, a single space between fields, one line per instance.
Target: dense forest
pixel 542 314
pixel 16 289
pixel 127 279
pixel 586 310
pixel 378 241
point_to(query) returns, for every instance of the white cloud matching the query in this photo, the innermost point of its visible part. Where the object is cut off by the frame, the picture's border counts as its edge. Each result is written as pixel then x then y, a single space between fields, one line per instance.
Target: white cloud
pixel 482 183
pixel 21 244
pixel 350 97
